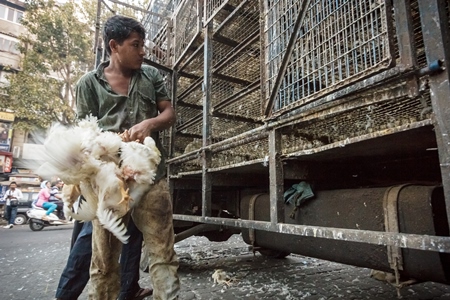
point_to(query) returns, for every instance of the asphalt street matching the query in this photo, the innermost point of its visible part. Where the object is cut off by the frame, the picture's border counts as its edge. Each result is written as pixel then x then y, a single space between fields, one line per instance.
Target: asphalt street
pixel 31 263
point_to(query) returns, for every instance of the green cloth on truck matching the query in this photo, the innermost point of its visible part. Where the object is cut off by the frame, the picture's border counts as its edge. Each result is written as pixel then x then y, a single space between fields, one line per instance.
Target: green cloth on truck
pixel 297 194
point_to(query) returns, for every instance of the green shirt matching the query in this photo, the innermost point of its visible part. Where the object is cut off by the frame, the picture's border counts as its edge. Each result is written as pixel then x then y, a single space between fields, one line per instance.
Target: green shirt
pixel 117 112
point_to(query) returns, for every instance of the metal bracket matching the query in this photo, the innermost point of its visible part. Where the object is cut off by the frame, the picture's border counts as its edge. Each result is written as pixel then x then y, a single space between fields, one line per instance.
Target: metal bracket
pixel 391 224
pixel 251 216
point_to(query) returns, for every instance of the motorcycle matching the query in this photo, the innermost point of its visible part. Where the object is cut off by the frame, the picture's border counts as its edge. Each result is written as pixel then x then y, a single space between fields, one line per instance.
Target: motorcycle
pixel 35 214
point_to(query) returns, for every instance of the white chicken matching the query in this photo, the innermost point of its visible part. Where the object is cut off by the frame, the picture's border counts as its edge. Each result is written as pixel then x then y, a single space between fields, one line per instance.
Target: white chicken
pixel 112 175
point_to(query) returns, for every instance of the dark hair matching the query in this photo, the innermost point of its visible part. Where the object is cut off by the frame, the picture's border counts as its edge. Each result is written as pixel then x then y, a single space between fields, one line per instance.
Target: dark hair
pixel 56 182
pixel 119 28
pixel 12 182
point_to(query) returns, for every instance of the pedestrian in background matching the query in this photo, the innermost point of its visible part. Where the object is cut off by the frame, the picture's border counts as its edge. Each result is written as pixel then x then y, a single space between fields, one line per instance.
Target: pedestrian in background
pixel 12 196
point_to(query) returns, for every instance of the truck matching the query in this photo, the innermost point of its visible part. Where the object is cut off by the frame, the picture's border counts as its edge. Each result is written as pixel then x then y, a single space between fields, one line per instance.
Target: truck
pixel 319 128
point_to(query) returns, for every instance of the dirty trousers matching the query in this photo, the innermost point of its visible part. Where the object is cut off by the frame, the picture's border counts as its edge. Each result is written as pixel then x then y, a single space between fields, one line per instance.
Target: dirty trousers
pixel 153 217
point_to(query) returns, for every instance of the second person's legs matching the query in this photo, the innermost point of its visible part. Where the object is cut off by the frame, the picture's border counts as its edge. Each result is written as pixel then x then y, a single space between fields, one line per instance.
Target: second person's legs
pixel 153 217
pixel 106 248
pixel 76 273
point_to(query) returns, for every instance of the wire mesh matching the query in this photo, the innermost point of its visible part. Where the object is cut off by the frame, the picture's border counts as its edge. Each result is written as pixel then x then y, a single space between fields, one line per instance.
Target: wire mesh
pixel 183 84
pixel 195 96
pixel 186 26
pixel 186 145
pixel 242 24
pixel 185 114
pixel 189 166
pixel 338 43
pixel 240 66
pixel 418 36
pixel 240 154
pixel 360 121
pixel 220 51
pixel 245 65
pixel 212 7
pixel 195 65
pixel 156 27
pixel 194 129
pixel 224 128
pixel 222 89
pixel 247 107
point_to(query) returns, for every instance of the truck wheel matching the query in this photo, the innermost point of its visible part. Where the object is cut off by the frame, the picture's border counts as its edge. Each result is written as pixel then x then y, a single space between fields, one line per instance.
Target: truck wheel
pixel 20 219
pixel 35 226
pixel 273 253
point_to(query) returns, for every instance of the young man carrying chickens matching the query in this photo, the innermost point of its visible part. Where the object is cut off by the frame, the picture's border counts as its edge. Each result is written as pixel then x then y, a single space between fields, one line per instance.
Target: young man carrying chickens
pixel 128 98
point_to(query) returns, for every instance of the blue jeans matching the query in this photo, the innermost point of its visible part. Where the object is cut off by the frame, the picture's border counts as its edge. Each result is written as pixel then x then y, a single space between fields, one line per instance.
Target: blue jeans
pixel 49 206
pixel 10 214
pixel 76 273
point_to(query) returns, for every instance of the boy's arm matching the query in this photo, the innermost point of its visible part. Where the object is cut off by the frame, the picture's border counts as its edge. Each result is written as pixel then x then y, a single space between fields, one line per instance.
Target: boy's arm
pixel 164 120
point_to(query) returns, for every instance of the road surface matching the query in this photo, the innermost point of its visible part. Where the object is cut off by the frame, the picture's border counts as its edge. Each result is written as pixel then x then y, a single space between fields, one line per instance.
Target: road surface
pixel 31 263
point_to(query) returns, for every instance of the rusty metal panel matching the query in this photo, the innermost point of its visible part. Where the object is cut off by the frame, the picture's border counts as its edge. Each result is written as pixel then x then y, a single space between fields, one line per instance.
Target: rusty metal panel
pixel 250 151
pixel 276 185
pixel 435 23
pixel 404 240
pixel 338 43
pixel 364 113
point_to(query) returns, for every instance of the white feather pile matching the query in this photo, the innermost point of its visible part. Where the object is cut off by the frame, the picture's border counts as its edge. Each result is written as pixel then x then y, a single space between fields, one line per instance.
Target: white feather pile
pixel 111 175
pixel 221 277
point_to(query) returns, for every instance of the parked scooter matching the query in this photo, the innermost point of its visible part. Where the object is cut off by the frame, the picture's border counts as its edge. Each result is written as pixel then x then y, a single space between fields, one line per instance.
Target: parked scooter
pixel 37 223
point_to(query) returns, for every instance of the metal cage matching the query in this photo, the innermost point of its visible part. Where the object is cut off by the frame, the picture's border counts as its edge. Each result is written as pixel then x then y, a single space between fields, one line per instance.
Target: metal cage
pixel 339 42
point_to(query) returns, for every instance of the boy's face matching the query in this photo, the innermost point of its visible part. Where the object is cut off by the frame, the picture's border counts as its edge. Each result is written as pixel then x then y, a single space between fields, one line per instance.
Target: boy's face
pixel 131 53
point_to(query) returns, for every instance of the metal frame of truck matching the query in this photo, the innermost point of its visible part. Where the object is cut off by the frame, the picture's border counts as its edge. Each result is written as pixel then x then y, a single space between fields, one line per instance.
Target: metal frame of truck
pixel 200 65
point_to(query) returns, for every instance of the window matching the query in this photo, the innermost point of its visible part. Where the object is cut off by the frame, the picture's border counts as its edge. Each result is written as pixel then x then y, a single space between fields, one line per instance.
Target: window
pixel 2 11
pixel 19 16
pixel 10 14
pixel 8 45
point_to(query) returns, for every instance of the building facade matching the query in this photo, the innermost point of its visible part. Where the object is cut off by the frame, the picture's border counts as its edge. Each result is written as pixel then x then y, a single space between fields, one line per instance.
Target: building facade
pixel 11 12
pixel 13 143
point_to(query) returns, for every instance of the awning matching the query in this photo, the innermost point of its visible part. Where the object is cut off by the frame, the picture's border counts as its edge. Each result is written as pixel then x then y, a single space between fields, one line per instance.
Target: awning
pixel 8 182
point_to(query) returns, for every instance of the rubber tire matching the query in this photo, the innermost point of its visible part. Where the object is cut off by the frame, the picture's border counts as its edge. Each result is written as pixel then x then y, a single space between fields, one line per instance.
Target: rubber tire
pixel 20 219
pixel 273 253
pixel 36 226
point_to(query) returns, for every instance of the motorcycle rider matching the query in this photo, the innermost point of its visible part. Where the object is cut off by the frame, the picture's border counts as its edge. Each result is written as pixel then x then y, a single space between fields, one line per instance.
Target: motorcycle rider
pixel 43 201
pixel 56 198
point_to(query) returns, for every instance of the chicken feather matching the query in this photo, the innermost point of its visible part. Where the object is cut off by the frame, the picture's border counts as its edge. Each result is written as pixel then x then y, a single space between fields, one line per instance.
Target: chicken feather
pixel 111 222
pixel 112 175
pixel 84 212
